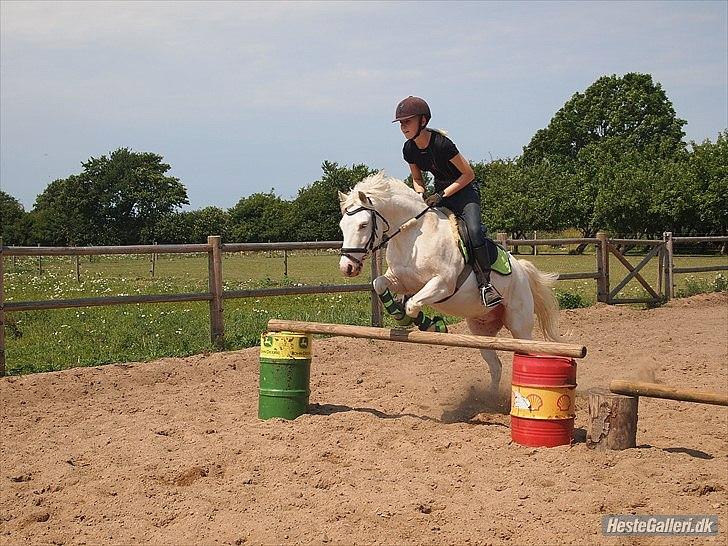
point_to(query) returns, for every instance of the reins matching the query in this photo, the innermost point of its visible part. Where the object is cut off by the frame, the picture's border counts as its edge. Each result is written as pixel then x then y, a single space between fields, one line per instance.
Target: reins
pixel 370 247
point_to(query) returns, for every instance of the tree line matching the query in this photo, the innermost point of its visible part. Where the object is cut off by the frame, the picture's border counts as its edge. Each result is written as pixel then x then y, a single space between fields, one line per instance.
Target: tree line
pixel 613 158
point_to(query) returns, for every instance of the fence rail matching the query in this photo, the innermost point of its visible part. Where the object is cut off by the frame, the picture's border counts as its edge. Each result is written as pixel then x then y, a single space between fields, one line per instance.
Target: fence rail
pixel 215 249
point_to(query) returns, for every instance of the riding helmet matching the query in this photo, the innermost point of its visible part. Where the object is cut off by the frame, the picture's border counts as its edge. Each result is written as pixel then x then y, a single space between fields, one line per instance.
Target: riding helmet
pixel 411 107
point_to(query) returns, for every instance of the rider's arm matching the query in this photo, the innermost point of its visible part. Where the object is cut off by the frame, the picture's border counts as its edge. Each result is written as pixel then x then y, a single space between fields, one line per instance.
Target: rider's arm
pixel 417 182
pixel 463 180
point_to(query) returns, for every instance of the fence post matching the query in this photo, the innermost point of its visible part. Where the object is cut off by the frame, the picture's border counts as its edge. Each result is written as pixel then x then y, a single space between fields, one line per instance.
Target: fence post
pixel 602 254
pixel 660 266
pixel 40 264
pixel 285 262
pixel 502 238
pixel 78 268
pixel 2 309
pixel 214 261
pixel 669 265
pixel 376 304
pixel 153 267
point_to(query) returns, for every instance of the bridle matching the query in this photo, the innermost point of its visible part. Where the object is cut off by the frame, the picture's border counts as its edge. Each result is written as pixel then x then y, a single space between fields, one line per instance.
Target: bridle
pixel 370 247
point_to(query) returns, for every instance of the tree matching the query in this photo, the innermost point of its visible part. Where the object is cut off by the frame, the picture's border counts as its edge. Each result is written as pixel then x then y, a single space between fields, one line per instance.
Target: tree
pixel 316 211
pixel 518 199
pixel 260 218
pixel 66 213
pixel 193 226
pixel 12 214
pixel 709 164
pixel 133 193
pixel 117 199
pixel 588 140
pixel 632 113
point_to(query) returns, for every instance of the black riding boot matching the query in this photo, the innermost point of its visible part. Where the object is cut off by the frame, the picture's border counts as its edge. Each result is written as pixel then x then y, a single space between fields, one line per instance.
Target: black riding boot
pixel 488 294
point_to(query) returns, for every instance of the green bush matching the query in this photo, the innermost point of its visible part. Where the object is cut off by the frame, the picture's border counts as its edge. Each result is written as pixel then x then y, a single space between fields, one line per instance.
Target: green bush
pixel 695 285
pixel 721 283
pixel 571 300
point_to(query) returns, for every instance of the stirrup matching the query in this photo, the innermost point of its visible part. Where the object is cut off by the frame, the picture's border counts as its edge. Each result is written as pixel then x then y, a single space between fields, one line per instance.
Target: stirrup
pixel 489 295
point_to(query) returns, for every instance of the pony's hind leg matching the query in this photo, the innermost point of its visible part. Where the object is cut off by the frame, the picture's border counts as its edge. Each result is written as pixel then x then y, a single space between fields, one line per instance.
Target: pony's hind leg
pixel 489 325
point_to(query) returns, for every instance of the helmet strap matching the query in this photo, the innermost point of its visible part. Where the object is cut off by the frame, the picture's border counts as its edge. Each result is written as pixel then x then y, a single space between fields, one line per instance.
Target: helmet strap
pixel 419 126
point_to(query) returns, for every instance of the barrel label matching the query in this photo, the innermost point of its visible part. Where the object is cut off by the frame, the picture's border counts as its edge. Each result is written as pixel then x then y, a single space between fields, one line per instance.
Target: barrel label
pixel 542 402
pixel 285 345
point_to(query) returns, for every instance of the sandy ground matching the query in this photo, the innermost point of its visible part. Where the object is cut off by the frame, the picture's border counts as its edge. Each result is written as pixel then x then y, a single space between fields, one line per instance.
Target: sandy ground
pixel 402 446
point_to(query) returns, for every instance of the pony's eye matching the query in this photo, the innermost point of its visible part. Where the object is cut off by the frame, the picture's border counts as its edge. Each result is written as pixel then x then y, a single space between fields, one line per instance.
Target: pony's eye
pixel 363 225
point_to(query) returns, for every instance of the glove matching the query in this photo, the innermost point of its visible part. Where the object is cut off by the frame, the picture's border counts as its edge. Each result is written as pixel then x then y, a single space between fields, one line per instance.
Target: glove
pixel 433 200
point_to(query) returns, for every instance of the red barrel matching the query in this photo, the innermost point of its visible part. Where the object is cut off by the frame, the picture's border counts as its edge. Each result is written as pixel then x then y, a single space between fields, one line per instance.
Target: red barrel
pixel 543 400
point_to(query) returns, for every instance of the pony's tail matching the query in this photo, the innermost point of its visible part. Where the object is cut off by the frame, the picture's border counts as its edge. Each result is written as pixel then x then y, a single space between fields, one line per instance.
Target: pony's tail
pixel 545 303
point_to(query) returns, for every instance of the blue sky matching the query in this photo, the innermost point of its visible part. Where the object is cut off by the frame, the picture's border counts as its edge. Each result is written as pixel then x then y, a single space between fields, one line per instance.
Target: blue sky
pixel 242 97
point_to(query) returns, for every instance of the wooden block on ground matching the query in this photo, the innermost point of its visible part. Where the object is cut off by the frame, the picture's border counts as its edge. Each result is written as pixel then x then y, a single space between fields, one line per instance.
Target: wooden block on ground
pixel 612 420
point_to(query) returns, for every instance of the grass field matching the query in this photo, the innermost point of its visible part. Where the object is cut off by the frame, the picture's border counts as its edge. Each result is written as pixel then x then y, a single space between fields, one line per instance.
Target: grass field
pixel 63 338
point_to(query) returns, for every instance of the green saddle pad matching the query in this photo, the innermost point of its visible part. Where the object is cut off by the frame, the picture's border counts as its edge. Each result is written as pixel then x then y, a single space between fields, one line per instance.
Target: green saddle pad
pixel 502 263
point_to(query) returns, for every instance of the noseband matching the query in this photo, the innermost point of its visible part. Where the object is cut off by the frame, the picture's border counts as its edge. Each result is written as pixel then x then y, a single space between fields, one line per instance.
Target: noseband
pixel 370 245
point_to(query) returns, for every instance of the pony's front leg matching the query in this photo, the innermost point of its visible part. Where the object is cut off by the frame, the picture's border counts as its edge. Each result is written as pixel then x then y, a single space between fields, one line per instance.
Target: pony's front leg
pixel 392 306
pixel 382 283
pixel 433 291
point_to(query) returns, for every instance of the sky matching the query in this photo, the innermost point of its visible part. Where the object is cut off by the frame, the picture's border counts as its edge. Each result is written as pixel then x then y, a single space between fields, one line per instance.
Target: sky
pixel 246 97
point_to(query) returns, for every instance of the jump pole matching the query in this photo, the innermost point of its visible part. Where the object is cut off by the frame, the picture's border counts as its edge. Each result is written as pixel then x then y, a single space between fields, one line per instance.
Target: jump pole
pixel 655 390
pixel 613 412
pixel 431 338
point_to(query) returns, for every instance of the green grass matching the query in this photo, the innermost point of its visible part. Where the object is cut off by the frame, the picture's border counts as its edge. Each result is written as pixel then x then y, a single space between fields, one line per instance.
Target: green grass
pixel 63 338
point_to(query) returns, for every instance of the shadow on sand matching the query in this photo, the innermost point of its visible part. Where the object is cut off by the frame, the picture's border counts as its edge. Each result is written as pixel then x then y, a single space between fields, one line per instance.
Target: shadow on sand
pixel 477 407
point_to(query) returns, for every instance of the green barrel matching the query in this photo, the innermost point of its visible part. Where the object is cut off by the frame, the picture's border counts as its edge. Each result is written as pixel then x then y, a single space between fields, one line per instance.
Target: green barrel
pixel 285 369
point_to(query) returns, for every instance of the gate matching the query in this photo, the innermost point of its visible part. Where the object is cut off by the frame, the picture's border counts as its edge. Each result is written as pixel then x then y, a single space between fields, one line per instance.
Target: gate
pixel 660 250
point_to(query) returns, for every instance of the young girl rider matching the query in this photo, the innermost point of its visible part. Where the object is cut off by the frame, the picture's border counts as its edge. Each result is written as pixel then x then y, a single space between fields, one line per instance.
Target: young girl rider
pixel 455 185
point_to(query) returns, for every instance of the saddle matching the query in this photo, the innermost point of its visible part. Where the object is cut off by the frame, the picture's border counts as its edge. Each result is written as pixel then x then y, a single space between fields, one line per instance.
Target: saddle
pixel 500 258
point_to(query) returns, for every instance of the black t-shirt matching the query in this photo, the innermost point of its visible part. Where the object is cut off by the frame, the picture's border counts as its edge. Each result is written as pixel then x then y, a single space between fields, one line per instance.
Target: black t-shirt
pixel 434 159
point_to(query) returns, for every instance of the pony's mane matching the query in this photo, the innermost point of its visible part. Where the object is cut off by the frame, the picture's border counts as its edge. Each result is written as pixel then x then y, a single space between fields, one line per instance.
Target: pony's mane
pixel 380 187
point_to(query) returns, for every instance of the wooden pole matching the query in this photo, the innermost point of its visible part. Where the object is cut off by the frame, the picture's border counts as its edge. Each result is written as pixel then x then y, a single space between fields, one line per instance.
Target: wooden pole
pixel 285 262
pixel 431 338
pixel 217 326
pixel 655 390
pixel 660 261
pixel 153 266
pixel 502 238
pixel 612 420
pixel 78 268
pixel 376 304
pixel 669 265
pixel 603 268
pixel 2 310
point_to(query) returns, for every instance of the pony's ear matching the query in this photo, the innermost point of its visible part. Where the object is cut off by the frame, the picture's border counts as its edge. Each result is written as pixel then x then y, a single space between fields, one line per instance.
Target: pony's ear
pixel 363 198
pixel 342 198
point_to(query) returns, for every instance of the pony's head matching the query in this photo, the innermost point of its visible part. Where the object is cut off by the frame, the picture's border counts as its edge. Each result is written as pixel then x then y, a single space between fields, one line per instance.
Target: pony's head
pixel 362 223
pixel 359 226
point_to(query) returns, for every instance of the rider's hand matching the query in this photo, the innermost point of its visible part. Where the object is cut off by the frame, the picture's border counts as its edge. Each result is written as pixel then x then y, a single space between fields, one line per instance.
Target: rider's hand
pixel 433 200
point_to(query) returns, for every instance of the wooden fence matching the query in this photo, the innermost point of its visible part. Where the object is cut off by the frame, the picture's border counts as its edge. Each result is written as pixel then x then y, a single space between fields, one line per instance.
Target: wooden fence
pixel 662 249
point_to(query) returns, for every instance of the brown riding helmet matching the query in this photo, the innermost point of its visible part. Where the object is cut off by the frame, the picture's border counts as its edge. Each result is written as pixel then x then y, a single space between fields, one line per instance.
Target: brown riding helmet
pixel 411 107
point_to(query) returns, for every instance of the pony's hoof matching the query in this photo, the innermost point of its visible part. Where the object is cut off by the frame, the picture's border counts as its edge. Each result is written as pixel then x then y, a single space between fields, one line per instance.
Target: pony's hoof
pixel 438 325
pixel 434 324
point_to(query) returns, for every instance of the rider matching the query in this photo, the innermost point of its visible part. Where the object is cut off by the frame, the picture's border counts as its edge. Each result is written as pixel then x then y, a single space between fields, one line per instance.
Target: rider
pixel 455 185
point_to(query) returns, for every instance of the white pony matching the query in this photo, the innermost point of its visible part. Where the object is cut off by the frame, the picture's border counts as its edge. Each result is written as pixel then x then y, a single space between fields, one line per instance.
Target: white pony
pixel 424 262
